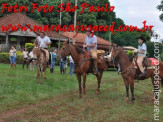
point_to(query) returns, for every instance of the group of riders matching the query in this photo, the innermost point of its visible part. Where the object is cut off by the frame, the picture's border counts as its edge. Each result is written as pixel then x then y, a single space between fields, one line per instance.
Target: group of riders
pixel 90 44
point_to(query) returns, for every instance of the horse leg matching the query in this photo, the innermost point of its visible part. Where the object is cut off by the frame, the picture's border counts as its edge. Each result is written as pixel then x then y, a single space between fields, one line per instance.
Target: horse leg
pixel 84 84
pixel 99 76
pixel 127 89
pixel 38 76
pixel 79 82
pixel 132 90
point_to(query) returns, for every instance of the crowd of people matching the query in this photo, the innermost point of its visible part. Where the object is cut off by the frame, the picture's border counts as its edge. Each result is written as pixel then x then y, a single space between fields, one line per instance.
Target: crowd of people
pixel 29 61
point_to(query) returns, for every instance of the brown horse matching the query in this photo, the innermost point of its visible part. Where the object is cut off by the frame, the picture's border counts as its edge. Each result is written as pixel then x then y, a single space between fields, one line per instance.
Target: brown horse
pixel 128 71
pixel 40 56
pixel 82 64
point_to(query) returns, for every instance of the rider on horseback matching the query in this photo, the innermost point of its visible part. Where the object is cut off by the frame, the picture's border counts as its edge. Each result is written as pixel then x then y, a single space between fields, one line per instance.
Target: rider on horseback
pixel 142 51
pixel 91 44
pixel 43 41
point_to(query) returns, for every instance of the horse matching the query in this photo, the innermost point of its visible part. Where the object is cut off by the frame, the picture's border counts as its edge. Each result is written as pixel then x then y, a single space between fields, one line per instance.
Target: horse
pixel 41 58
pixel 82 65
pixel 128 71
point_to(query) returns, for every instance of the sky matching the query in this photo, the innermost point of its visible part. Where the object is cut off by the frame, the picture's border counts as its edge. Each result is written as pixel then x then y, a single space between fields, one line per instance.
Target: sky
pixel 134 12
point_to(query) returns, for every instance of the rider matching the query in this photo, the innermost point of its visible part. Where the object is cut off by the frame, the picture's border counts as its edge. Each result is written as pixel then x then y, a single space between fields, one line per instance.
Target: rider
pixel 43 41
pixel 91 44
pixel 142 51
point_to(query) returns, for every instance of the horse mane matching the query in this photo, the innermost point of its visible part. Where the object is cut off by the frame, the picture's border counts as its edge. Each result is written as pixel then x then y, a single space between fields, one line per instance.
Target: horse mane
pixel 122 53
pixel 79 50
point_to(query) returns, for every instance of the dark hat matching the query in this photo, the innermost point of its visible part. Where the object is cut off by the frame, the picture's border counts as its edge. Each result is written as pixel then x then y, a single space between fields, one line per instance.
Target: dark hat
pixel 89 30
pixel 142 38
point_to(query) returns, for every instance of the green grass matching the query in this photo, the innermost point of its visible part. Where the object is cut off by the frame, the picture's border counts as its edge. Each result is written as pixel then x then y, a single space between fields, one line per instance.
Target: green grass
pixel 57 99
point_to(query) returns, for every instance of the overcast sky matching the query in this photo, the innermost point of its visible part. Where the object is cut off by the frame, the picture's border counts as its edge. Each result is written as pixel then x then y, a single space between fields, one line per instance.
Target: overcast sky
pixel 134 12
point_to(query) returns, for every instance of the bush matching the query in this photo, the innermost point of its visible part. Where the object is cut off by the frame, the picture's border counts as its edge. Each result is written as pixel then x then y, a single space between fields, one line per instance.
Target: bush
pixel 4 57
pixel 130 53
pixel 29 46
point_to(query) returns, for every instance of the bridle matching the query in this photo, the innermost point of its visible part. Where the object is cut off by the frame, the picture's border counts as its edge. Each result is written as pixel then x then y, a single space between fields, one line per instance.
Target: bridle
pixel 65 50
pixel 114 58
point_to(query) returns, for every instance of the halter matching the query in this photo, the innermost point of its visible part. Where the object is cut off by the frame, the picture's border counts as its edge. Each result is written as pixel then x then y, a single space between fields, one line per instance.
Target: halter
pixel 129 67
pixel 65 50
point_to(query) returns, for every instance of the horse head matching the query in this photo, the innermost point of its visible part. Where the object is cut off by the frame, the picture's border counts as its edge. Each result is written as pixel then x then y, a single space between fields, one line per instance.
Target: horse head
pixel 64 51
pixel 35 52
pixel 115 52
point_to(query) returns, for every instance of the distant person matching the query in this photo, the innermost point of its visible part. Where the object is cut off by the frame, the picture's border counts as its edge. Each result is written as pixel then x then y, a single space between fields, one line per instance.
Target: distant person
pixel 31 61
pixel 62 65
pixel 12 54
pixel 53 58
pixel 25 58
pixel 71 65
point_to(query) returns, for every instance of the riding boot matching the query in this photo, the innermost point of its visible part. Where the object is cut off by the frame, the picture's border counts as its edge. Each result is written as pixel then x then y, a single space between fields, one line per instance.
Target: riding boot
pixel 14 65
pixel 11 65
pixel 95 66
pixel 142 75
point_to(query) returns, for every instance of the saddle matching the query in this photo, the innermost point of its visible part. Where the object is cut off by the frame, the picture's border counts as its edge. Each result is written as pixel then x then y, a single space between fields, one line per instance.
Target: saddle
pixel 147 62
pixel 100 55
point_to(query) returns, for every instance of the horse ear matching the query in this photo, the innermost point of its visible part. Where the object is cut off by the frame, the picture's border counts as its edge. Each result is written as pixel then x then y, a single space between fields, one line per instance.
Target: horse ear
pixel 68 40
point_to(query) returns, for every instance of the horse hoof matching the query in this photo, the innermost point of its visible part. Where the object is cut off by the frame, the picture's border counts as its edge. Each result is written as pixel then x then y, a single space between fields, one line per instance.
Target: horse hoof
pixel 80 96
pixel 126 99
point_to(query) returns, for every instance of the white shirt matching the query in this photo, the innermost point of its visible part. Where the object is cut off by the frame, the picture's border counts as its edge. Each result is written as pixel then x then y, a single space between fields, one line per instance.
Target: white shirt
pixel 31 54
pixel 43 41
pixel 90 41
pixel 13 53
pixel 25 54
pixel 141 48
pixel 71 60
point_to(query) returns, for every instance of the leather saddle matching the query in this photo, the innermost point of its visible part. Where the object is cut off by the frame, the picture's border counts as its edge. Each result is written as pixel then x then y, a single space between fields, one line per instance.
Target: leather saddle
pixel 147 62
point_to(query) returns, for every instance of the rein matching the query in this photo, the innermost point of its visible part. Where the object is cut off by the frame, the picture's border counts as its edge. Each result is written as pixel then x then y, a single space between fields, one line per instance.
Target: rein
pixel 129 67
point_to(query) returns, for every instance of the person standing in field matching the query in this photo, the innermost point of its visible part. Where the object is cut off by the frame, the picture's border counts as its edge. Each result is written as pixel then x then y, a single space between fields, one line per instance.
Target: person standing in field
pixel 25 58
pixel 12 54
pixel 31 61
pixel 71 65
pixel 53 58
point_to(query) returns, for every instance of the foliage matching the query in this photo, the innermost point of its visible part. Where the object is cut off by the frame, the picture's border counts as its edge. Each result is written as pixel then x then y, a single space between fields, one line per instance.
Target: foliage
pixel 4 58
pixel 160 8
pixel 29 46
pixel 130 53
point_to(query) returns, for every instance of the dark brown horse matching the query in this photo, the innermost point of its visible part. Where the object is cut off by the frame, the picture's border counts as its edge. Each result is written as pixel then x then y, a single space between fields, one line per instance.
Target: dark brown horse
pixel 82 64
pixel 128 71
pixel 40 55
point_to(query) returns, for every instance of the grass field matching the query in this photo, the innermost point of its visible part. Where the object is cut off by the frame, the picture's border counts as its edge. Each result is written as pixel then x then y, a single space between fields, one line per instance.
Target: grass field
pixel 22 99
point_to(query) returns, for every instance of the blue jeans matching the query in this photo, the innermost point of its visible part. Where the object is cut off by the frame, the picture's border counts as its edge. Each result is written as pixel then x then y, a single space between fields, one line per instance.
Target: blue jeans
pixel 12 60
pixel 71 68
pixel 52 64
pixel 119 69
pixel 62 65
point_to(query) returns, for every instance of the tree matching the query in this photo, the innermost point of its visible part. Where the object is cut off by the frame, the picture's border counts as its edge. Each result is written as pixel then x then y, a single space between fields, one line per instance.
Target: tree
pixel 160 8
